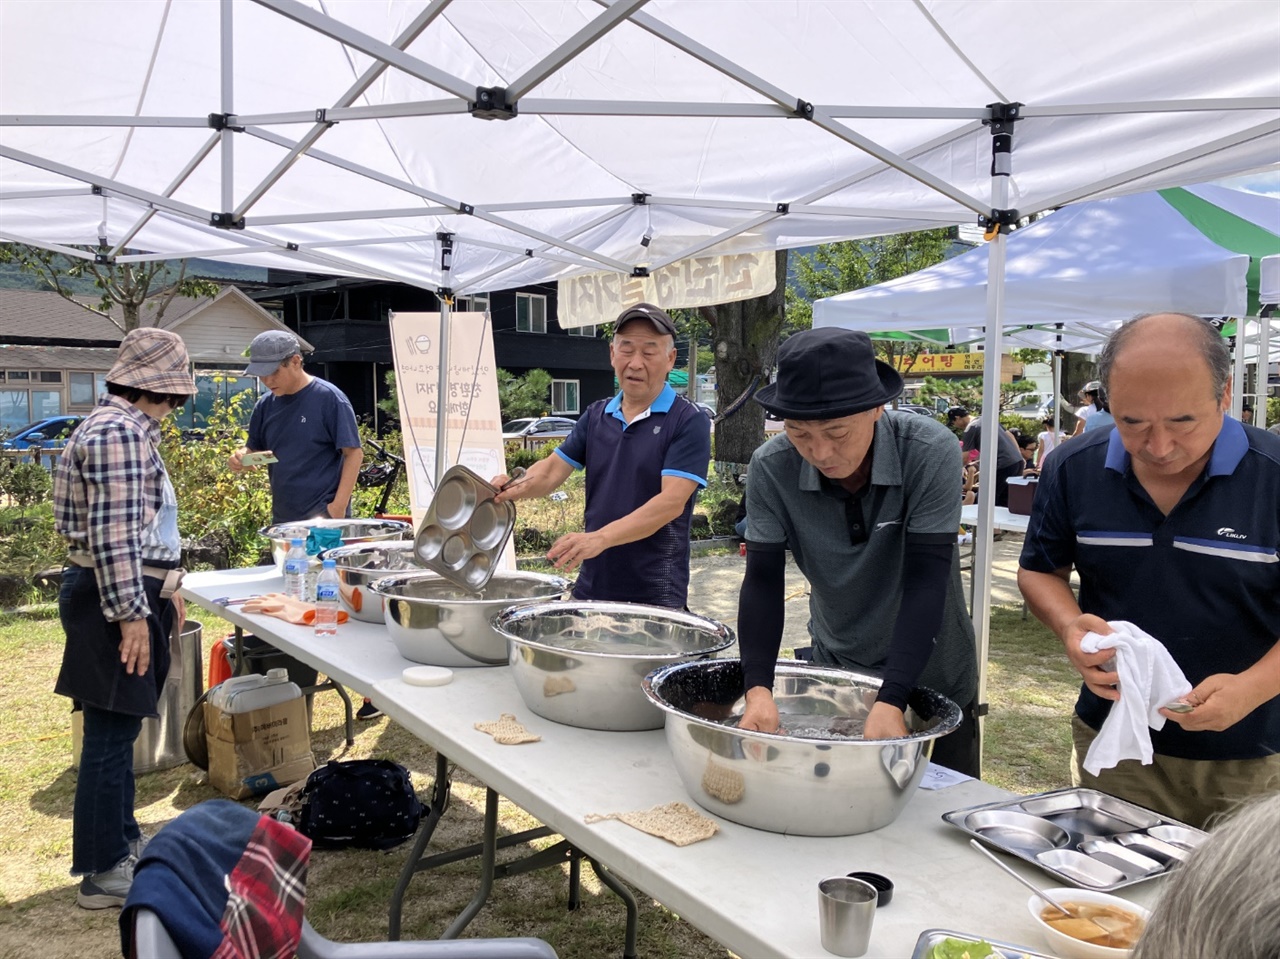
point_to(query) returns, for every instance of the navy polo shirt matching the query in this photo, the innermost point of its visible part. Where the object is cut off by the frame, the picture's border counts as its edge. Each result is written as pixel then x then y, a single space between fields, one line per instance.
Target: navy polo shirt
pixel 1204 580
pixel 625 464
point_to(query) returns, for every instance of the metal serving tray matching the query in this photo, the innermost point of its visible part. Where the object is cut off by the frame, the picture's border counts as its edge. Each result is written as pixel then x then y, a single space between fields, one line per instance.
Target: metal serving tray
pixel 1082 836
pixel 1007 950
pixel 464 530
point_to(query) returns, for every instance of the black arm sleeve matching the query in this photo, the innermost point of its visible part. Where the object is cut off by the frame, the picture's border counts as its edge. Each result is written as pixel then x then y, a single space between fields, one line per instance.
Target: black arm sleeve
pixel 928 566
pixel 760 613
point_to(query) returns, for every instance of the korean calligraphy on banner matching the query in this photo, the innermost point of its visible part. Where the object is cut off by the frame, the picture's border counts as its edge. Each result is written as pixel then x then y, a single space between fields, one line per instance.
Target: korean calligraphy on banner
pixel 595 298
pixel 946 363
pixel 470 403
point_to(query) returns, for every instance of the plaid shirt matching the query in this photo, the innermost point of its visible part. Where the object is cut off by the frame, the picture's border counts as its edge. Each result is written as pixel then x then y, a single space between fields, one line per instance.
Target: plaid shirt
pixel 106 491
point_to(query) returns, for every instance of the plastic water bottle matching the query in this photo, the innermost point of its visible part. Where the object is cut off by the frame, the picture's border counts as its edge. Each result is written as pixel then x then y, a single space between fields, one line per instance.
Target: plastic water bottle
pixel 295 570
pixel 327 600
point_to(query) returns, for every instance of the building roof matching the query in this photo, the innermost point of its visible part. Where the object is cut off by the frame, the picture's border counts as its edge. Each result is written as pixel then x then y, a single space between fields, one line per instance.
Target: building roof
pixel 55 357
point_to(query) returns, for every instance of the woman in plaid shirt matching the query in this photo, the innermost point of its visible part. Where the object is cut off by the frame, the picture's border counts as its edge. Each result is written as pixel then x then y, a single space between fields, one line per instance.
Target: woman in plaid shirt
pixel 115 506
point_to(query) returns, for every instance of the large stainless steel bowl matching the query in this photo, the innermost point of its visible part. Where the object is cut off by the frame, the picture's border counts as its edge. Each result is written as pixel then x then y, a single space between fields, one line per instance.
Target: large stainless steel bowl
pixel 353 531
pixel 817 777
pixel 582 663
pixel 436 622
pixel 360 564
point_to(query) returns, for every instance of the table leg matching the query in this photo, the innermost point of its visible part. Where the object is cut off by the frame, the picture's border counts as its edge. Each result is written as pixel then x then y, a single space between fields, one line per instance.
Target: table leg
pixel 486 868
pixel 633 908
pixel 439 802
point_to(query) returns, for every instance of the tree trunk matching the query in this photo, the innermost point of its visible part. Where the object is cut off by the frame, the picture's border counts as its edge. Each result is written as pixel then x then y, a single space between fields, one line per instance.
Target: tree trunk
pixel 746 346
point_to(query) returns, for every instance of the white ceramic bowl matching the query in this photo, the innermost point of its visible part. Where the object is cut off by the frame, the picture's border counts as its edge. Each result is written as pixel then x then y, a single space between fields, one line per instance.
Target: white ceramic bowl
pixel 1067 947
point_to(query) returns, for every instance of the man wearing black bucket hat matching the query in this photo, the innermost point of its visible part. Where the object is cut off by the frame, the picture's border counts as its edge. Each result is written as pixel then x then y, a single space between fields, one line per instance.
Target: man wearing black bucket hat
pixel 867 502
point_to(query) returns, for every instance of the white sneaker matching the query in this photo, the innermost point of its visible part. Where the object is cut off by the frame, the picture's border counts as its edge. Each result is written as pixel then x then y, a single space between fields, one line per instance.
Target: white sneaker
pixel 104 890
pixel 139 844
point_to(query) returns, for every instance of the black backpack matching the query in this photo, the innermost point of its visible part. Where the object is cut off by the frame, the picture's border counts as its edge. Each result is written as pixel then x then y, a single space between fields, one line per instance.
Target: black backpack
pixel 368 803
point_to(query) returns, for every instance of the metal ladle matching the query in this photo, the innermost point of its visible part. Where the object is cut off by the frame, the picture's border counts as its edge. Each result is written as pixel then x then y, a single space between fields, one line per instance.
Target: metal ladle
pixel 1056 905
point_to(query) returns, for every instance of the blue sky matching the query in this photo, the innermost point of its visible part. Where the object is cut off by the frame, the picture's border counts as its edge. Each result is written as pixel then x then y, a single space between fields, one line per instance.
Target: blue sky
pixel 1267 182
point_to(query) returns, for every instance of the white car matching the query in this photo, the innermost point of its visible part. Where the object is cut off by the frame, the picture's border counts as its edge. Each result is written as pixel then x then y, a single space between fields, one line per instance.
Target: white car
pixel 537 428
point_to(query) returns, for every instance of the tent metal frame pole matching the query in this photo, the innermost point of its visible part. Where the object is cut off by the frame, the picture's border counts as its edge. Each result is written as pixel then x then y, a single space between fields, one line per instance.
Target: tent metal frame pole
pixel 1057 393
pixel 83 120
pixel 1264 369
pixel 68 251
pixel 227 90
pixel 1161 165
pixel 711 241
pixel 802 108
pixel 613 15
pixel 206 148
pixel 1237 366
pixel 49 194
pixel 337 30
pixel 1001 171
pixel 321 126
pixel 442 389
pixel 384 111
pixel 1208 105
pixel 327 215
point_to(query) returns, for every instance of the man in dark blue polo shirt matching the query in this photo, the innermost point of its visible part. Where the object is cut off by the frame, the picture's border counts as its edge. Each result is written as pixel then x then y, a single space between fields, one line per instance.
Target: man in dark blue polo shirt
pixel 1172 520
pixel 646 453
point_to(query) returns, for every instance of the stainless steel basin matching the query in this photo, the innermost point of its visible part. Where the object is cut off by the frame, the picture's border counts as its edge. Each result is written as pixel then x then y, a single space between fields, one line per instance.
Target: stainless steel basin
pixel 352 530
pixel 360 564
pixel 817 777
pixel 582 663
pixel 436 622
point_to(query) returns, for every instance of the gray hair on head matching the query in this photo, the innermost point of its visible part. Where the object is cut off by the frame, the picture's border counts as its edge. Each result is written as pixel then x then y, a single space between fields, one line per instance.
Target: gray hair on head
pixel 1206 339
pixel 1225 900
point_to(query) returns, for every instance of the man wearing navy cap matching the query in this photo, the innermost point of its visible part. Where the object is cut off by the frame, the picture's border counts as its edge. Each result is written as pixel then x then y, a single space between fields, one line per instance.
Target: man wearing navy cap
pixel 646 452
pixel 866 500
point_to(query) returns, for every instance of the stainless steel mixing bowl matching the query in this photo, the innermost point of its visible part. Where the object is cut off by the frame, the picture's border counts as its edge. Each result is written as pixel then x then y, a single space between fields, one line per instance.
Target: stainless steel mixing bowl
pixel 360 564
pixel 582 663
pixel 817 777
pixel 353 531
pixel 436 622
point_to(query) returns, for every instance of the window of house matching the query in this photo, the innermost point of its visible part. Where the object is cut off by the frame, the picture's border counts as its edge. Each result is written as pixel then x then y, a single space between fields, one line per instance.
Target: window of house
pixel 45 403
pixel 48 376
pixel 18 376
pixel 564 396
pixel 82 389
pixel 582 331
pixel 15 410
pixel 474 303
pixel 531 313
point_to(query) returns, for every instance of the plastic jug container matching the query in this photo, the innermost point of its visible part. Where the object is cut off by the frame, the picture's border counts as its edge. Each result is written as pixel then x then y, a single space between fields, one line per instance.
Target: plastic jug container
pixel 242 694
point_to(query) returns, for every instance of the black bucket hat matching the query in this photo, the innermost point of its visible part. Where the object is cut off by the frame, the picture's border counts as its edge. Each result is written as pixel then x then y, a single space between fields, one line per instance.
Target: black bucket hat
pixel 827 373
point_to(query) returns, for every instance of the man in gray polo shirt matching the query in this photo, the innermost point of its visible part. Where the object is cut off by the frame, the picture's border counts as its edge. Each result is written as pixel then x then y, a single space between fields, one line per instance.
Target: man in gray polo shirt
pixel 868 502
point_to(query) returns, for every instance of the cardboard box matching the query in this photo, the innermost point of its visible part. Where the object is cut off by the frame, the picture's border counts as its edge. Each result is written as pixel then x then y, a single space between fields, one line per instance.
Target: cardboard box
pixel 257 751
pixel 1022 492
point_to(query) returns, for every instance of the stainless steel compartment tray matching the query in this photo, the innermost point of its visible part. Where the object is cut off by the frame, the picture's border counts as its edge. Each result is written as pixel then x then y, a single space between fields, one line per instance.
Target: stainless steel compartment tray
pixel 1082 837
pixel 931 937
pixel 464 530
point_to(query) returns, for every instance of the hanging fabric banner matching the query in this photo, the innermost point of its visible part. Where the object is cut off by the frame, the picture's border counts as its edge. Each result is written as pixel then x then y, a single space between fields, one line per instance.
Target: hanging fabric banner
pixel 595 298
pixel 474 420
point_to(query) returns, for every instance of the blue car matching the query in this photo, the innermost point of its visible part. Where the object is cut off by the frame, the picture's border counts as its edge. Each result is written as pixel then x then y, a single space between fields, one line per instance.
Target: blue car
pixel 50 433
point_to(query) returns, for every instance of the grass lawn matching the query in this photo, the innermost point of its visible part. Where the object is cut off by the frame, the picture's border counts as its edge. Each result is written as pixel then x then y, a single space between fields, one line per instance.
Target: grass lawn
pixel 1031 690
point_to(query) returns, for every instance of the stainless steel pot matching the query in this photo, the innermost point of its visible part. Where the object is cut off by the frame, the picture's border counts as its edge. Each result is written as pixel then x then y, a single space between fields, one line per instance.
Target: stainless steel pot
pixel 582 663
pixel 433 621
pixel 360 564
pixel 817 777
pixel 353 531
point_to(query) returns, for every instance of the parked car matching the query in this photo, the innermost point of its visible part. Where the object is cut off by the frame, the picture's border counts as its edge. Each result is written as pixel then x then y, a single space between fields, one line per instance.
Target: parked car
pixel 50 433
pixel 537 428
pixel 913 408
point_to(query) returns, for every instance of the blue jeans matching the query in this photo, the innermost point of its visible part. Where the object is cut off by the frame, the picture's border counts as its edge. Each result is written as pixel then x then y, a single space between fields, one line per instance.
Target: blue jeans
pixel 103 823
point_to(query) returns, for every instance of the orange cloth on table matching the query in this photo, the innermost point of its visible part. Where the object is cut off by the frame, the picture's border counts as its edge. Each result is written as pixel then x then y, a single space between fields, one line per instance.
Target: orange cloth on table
pixel 284 607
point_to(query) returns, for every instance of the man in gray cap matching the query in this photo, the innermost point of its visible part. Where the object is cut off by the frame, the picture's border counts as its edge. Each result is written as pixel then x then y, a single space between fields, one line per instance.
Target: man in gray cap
pixel 310 428
pixel 868 502
pixel 116 508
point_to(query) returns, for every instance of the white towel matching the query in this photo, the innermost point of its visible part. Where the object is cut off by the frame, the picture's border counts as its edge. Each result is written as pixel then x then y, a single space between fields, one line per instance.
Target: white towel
pixel 1149 679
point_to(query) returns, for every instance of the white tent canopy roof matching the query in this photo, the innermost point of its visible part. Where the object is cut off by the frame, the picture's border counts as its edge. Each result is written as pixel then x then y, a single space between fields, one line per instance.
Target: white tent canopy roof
pixel 745 126
pixel 1087 267
pixel 1269 279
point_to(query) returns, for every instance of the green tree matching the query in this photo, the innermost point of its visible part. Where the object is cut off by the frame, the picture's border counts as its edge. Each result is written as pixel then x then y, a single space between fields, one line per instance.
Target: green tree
pixel 526 395
pixel 853 264
pixel 142 291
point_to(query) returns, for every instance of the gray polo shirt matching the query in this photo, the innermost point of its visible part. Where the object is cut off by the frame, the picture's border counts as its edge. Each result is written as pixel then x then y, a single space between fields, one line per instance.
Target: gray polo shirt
pixel 856 588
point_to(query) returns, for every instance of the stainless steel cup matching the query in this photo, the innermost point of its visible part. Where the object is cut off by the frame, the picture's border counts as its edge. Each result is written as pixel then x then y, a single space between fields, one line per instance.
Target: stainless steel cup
pixel 846 908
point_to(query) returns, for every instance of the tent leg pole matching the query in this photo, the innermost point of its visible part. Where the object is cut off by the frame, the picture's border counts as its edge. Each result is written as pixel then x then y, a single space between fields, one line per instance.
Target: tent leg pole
pixel 442 389
pixel 1237 367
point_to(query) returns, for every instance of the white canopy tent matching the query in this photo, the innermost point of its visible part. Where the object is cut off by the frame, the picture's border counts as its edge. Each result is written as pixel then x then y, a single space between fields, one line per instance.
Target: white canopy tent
pixel 1269 280
pixel 1071 277
pixel 472 146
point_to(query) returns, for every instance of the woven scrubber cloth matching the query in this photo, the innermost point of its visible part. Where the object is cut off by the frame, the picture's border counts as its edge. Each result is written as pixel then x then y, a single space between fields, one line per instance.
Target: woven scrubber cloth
pixel 675 822
pixel 507 732
pixel 722 783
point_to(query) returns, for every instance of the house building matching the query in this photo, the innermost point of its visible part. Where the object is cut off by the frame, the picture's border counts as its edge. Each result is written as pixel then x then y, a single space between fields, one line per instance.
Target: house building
pixel 54 355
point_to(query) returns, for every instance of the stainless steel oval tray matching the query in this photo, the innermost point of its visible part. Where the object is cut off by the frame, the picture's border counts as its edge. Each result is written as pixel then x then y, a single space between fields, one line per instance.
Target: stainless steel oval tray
pixel 464 531
pixel 1083 837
